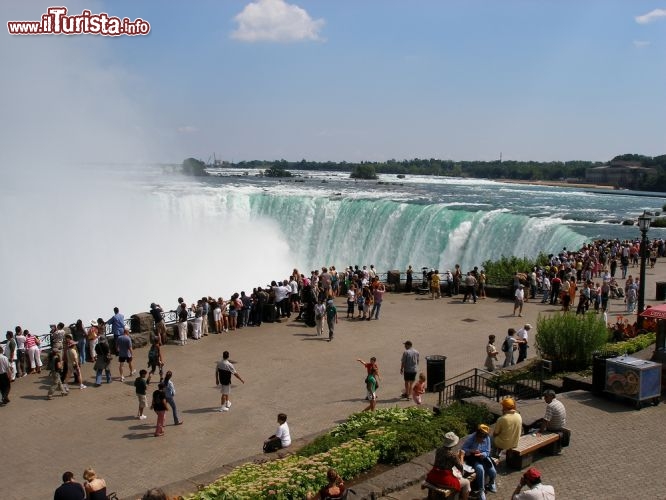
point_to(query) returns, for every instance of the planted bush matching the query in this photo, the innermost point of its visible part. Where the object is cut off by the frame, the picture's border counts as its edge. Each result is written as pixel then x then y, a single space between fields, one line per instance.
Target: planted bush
pixel 291 477
pixel 389 435
pixel 631 346
pixel 500 272
pixel 570 339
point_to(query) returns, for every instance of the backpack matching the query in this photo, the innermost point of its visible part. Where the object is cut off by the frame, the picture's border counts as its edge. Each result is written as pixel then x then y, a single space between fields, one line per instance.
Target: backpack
pixel 152 355
pixel 505 345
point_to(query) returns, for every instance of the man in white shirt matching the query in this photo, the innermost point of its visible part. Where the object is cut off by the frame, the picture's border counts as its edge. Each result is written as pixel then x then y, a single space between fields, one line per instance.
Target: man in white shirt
pixel 5 377
pixel 535 489
pixel 522 337
pixel 281 438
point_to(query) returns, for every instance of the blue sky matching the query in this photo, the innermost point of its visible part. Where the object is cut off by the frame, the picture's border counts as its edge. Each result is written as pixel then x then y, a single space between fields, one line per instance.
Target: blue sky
pixel 342 80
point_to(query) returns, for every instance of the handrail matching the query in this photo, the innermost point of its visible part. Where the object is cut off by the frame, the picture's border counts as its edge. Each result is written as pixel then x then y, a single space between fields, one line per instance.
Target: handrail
pixel 478 381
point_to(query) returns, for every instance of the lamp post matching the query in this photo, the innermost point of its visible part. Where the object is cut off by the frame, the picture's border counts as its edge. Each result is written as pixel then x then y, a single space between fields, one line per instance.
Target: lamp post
pixel 644 225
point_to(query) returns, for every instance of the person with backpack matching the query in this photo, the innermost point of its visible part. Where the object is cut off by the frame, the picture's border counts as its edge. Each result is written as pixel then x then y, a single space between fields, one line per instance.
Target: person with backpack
pixel 508 347
pixel 159 405
pixel 155 358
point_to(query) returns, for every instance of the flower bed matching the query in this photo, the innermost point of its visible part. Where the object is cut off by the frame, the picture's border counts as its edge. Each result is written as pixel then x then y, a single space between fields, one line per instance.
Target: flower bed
pixel 388 435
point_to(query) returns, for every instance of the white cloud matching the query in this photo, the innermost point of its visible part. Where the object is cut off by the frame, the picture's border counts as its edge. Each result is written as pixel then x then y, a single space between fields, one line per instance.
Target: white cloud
pixel 187 129
pixel 639 44
pixel 651 16
pixel 276 21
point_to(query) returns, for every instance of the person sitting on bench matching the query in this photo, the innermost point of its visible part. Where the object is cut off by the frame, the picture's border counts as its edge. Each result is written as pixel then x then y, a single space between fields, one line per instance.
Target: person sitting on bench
pixel 506 433
pixel 477 456
pixel 447 471
pixel 554 419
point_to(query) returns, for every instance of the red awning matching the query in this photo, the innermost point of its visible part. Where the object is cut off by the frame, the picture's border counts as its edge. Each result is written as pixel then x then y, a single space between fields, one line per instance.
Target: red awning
pixel 657 312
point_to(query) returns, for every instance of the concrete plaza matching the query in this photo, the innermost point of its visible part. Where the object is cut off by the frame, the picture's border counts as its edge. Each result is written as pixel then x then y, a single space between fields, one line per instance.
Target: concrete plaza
pixel 287 368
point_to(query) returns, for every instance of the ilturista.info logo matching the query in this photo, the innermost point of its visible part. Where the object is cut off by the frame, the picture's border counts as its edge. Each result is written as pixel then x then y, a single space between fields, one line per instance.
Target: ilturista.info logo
pixel 56 21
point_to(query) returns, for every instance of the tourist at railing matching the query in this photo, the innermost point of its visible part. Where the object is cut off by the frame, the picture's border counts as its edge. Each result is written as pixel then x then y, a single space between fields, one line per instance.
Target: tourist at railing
pixel 93 337
pixel 57 336
pixel 157 313
pixel 21 353
pixel 117 322
pixel 74 369
pixel 81 338
pixel 181 312
pixel 32 352
pixel 56 365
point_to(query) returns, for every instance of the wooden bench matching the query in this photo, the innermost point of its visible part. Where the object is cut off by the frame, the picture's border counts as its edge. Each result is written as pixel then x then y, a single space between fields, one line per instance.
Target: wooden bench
pixel 435 492
pixel 551 443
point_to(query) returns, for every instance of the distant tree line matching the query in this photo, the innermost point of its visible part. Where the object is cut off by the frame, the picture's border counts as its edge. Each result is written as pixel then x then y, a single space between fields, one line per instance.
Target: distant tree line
pixel 508 169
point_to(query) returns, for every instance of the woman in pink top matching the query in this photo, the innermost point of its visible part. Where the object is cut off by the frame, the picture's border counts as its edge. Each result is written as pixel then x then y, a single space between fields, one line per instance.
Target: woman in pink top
pixel 32 352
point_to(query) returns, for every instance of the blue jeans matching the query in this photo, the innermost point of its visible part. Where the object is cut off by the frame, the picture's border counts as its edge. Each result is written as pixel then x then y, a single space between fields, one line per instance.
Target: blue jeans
pixel 482 468
pixel 375 310
pixel 174 410
pixel 81 346
pixel 98 378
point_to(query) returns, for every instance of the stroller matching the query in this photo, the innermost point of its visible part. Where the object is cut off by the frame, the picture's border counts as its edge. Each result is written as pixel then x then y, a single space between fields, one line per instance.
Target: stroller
pixel 616 291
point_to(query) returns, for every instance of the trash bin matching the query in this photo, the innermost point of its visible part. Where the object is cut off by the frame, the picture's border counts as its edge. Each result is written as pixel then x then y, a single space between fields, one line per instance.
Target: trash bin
pixel 393 279
pixel 436 371
pixel 661 290
pixel 599 372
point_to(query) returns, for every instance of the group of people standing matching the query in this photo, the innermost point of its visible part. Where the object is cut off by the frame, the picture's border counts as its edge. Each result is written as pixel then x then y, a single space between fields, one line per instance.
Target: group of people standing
pixel 515 342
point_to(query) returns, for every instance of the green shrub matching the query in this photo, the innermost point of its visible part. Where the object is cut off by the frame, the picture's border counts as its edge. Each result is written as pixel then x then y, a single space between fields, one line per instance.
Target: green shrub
pixel 570 339
pixel 390 435
pixel 500 272
pixel 358 425
pixel 632 345
pixel 470 414
pixel 291 477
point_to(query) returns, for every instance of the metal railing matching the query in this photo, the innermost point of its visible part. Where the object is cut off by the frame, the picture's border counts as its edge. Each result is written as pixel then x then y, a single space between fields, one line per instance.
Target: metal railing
pixel 479 382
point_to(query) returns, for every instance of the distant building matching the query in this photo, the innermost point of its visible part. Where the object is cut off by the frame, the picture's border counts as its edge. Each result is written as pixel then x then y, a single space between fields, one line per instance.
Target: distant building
pixel 619 173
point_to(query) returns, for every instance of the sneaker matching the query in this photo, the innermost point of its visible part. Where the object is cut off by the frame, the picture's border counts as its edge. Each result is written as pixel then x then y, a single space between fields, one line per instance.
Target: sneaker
pixel 122 379
pixel 143 417
pixel 83 386
pixel 132 372
pixel 491 488
pixel 226 408
pixel 222 408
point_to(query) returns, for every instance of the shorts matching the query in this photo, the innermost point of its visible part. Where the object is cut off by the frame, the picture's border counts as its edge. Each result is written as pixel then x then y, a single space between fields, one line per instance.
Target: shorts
pixel 371 396
pixel 410 376
pixel 233 313
pixel 122 359
pixel 217 314
pixel 142 400
pixel 225 389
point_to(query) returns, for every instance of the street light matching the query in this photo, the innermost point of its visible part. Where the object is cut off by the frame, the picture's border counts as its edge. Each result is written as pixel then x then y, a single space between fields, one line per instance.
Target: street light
pixel 644 225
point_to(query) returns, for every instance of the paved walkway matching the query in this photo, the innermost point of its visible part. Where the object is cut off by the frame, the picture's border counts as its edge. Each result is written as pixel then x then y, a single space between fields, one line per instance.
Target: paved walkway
pixel 318 384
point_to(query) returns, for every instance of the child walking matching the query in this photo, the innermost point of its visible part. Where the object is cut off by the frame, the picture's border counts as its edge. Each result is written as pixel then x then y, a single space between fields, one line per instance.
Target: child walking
pixel 418 389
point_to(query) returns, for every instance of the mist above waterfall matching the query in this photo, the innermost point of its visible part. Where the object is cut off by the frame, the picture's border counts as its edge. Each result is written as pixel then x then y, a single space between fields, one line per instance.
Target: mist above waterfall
pixel 80 235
